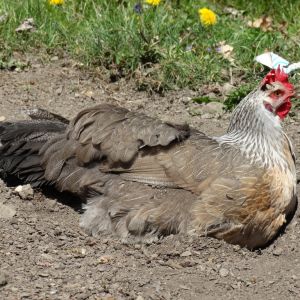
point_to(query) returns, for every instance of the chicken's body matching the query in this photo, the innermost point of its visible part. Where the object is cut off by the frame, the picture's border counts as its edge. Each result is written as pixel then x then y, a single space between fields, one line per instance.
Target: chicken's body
pixel 144 178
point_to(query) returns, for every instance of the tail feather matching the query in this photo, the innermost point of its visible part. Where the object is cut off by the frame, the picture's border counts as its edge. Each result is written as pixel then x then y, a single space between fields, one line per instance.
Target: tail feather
pixel 42 114
pixel 20 143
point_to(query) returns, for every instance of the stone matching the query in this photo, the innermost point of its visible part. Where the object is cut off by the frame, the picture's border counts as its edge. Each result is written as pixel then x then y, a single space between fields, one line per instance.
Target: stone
pixel 223 272
pixel 59 91
pixel 277 251
pixel 3 279
pixel 213 108
pixel 24 191
pixel 105 259
pixel 6 212
pixel 227 88
pixel 54 58
pixel 186 253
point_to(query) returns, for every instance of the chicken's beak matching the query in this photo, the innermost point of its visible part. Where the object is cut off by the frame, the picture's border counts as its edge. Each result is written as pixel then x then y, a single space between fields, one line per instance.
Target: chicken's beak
pixel 269 106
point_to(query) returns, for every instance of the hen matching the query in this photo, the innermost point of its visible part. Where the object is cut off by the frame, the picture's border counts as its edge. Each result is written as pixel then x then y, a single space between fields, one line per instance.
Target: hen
pixel 142 178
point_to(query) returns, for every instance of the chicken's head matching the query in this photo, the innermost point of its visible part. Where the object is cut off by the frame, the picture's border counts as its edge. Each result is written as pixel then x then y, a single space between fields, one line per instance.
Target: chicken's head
pixel 278 91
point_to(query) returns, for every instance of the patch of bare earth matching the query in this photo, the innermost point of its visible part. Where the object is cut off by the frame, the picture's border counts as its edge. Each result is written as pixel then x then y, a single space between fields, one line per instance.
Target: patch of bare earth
pixel 45 255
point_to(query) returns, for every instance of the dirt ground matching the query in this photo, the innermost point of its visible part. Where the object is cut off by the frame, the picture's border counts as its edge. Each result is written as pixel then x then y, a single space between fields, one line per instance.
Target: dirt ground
pixel 45 255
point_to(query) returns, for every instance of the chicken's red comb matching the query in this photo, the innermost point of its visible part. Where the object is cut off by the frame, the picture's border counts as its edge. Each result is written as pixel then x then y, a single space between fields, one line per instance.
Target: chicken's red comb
pixel 277 75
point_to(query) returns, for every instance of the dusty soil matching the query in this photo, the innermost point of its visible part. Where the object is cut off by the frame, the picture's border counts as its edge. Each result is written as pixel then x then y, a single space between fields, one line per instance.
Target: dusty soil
pixel 45 255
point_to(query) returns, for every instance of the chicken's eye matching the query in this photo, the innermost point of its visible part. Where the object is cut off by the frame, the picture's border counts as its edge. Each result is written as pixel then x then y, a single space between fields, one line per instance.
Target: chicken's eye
pixel 277 94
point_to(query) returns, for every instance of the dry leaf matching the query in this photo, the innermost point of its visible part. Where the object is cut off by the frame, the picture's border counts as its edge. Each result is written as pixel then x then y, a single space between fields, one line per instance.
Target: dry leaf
pixel 264 23
pixel 105 259
pixel 225 50
pixel 283 27
pixel 88 93
pixel 27 25
pixel 233 12
pixel 3 18
pixel 77 252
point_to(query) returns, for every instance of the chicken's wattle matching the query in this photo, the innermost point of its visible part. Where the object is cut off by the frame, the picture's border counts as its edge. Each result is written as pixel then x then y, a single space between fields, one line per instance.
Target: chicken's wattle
pixel 283 110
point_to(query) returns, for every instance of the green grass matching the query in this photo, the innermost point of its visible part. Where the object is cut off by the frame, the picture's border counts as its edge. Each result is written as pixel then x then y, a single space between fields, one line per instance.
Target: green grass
pixel 162 48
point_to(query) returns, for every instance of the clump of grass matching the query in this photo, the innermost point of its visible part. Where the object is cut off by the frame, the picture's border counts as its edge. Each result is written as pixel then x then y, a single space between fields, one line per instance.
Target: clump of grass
pixel 12 64
pixel 162 47
pixel 204 100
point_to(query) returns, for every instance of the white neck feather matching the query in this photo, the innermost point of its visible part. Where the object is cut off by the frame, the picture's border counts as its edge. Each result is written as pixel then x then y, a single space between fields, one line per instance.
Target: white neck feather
pixel 257 133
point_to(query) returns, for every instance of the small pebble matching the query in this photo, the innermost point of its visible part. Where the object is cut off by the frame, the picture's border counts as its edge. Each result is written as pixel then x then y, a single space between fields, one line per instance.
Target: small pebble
pixel 186 253
pixel 24 191
pixel 54 58
pixel 223 272
pixel 6 211
pixel 3 279
pixel 105 259
pixel 277 251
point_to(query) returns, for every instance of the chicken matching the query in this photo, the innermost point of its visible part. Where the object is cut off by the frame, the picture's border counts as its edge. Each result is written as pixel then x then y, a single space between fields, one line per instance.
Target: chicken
pixel 141 178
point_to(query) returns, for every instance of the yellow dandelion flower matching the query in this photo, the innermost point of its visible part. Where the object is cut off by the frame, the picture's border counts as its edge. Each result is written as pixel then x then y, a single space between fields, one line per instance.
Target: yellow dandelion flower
pixel 207 17
pixel 153 2
pixel 56 2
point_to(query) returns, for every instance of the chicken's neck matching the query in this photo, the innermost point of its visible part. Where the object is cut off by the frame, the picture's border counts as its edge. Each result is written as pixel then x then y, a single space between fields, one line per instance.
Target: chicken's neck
pixel 257 133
